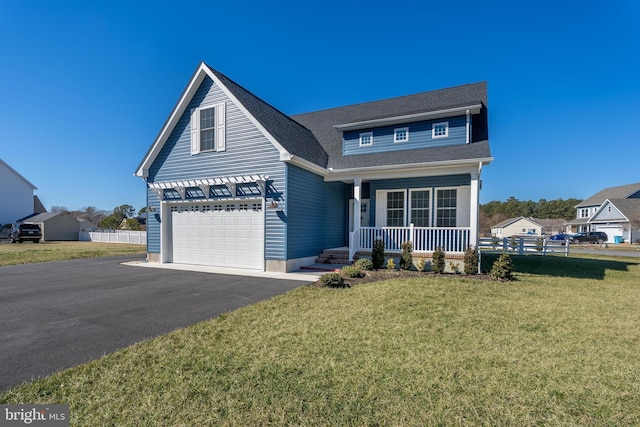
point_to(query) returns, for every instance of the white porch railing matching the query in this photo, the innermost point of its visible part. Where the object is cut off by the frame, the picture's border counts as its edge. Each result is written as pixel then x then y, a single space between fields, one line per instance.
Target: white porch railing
pixel 424 239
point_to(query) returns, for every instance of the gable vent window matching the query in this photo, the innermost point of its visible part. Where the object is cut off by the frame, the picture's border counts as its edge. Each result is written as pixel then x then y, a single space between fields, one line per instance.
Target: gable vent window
pixel 401 135
pixel 366 139
pixel 440 130
pixel 208 130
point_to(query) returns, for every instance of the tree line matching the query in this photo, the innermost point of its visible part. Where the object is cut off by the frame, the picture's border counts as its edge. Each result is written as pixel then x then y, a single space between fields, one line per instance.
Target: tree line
pixel 107 219
pixel 496 211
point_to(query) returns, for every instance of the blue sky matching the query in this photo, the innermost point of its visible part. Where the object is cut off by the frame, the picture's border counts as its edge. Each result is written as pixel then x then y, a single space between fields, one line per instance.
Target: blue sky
pixel 86 86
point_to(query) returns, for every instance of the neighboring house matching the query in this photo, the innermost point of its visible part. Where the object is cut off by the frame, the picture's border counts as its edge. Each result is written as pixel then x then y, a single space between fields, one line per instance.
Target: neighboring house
pixel 232 181
pixel 614 210
pixel 17 196
pixel 522 226
pixel 56 225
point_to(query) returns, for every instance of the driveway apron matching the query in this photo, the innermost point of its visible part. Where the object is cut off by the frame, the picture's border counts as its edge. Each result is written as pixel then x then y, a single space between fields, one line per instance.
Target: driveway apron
pixel 59 314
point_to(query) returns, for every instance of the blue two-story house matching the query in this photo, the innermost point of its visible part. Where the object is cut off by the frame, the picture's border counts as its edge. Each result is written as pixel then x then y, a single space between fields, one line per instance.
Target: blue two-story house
pixel 233 182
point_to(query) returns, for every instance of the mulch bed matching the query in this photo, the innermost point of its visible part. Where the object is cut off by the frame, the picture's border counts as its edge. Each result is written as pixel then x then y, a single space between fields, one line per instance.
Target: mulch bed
pixel 380 275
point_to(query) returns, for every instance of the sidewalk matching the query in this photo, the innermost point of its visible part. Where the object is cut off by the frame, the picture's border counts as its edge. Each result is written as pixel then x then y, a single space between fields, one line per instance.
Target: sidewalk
pixel 302 276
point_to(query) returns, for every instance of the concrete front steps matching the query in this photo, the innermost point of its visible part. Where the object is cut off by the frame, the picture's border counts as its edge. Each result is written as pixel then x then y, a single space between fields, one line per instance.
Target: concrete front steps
pixel 331 260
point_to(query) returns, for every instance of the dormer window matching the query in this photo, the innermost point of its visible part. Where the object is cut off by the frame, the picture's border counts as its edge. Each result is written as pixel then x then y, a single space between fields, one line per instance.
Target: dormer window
pixel 401 135
pixel 366 139
pixel 440 130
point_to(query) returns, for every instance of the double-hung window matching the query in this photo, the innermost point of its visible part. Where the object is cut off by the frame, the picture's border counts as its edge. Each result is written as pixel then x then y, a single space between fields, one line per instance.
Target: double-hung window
pixel 446 207
pixel 208 132
pixel 420 202
pixel 395 209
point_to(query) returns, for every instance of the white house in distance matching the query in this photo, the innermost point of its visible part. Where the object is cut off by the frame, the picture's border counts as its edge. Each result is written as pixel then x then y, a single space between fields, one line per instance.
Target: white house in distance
pixel 16 195
pixel 522 226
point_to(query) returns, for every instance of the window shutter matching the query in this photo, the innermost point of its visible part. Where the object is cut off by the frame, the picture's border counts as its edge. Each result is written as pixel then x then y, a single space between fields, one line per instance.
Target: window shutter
pixel 195 131
pixel 463 207
pixel 381 208
pixel 221 117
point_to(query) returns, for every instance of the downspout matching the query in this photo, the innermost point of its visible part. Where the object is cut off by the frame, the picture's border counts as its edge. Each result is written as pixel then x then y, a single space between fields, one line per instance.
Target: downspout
pixel 468 126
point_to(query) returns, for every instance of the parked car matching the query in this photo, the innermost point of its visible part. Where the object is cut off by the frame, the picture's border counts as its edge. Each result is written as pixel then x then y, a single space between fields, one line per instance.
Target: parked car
pixel 26 233
pixel 590 237
pixel 562 238
pixel 5 231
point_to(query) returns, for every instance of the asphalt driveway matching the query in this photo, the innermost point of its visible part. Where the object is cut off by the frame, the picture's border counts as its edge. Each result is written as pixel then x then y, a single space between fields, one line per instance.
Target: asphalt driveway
pixel 55 315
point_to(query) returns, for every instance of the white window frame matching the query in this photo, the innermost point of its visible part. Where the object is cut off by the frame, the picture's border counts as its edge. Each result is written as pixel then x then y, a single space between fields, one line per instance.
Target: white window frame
pixel 434 126
pixel 430 205
pixel 398 131
pixel 437 208
pixel 381 207
pixel 366 135
pixel 584 213
pixel 220 118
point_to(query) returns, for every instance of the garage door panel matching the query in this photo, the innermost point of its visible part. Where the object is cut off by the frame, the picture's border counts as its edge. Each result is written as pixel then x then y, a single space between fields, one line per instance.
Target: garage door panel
pixel 233 237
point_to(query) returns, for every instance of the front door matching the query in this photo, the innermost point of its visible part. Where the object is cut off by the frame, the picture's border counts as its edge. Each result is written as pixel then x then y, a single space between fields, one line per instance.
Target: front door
pixel 364 213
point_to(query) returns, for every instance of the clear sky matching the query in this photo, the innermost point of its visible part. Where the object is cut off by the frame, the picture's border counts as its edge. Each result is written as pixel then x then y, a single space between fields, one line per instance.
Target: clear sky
pixel 86 86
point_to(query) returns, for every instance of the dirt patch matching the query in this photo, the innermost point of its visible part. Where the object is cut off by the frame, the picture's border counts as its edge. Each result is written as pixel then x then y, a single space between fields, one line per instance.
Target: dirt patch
pixel 380 275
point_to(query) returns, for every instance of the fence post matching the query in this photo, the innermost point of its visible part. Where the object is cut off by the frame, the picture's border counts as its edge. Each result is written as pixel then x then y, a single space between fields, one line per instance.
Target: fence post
pixel 521 246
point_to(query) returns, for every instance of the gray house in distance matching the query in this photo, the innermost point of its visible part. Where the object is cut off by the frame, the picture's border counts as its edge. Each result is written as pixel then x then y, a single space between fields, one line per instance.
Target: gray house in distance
pixel 233 182
pixel 614 210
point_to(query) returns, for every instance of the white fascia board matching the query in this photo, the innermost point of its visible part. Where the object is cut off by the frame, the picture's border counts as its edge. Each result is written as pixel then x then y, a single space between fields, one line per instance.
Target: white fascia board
pixel 396 120
pixel 174 117
pixel 306 164
pixel 407 170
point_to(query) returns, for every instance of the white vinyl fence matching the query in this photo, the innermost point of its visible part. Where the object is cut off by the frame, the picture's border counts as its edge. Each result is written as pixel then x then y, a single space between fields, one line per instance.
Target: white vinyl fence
pixel 119 236
pixel 523 245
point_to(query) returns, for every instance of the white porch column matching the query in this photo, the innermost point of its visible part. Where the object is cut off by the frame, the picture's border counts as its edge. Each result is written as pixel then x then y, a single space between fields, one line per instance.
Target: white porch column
pixel 357 197
pixel 475 207
pixel 354 237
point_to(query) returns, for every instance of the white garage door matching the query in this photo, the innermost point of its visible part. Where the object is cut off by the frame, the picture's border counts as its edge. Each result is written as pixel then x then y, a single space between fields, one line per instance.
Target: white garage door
pixel 611 231
pixel 228 234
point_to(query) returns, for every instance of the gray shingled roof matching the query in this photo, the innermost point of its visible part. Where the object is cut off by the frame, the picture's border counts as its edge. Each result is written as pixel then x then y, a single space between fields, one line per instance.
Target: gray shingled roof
pixel 322 123
pixel 620 192
pixel 295 138
pixel 629 208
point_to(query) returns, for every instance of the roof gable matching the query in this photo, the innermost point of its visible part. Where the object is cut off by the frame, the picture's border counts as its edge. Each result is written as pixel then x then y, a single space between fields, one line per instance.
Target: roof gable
pixel 13 171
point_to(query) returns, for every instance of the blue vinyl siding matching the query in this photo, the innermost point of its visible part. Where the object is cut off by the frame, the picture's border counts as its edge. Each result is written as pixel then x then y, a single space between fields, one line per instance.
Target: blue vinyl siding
pixel 316 212
pixel 247 152
pixel 430 182
pixel 419 137
pixel 153 223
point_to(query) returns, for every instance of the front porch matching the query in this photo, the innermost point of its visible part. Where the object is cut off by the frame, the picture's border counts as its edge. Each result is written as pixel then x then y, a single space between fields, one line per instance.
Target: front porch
pixel 451 240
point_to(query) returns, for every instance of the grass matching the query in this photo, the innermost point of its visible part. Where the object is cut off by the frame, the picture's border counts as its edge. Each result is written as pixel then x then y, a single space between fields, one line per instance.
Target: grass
pixel 556 347
pixel 11 254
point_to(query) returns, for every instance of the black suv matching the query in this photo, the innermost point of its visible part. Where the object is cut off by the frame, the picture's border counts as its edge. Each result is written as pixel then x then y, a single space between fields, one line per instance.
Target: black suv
pixel 590 237
pixel 26 233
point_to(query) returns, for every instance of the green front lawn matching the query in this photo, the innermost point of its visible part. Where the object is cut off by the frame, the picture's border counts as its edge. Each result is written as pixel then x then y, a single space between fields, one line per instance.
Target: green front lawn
pixel 557 347
pixel 24 253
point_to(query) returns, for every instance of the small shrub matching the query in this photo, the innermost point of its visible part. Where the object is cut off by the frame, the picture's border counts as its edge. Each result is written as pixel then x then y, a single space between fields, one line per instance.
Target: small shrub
pixel 502 269
pixel 391 265
pixel 539 244
pixel 364 264
pixel 438 261
pixel 455 267
pixel 470 261
pixel 514 243
pixel 333 280
pixel 406 259
pixel 351 271
pixel 420 263
pixel 377 255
